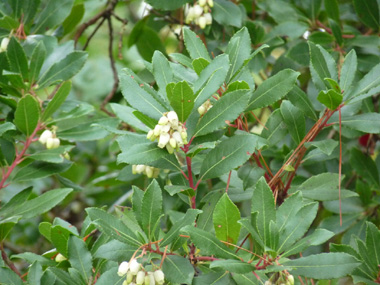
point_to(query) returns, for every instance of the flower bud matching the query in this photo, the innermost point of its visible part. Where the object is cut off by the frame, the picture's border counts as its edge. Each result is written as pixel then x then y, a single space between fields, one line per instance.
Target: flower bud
pixel 44 136
pixel 52 143
pixel 66 155
pixel 152 281
pixel 149 171
pixel 173 119
pixel 202 22
pixel 290 280
pixel 157 130
pixel 140 277
pixel 164 139
pixel 123 268
pixel 201 110
pixel 147 280
pixel 169 148
pixel 211 3
pixel 173 142
pixel 150 135
pixel 159 276
pixel 177 136
pixel 60 258
pixel 4 44
pixel 165 129
pixel 208 22
pixel 190 15
pixel 202 2
pixel 163 121
pixel 184 135
pixel 197 12
pixel 134 267
pixel 129 278
pixel 125 282
pixel 140 168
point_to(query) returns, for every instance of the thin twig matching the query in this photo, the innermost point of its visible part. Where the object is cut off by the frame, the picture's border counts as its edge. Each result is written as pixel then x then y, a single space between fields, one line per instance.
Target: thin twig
pixel 93 32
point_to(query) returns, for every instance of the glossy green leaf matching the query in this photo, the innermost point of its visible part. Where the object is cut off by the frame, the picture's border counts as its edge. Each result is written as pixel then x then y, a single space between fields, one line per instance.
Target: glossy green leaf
pixel 208 243
pixel 8 277
pixel 204 221
pixel 295 121
pixel 18 62
pixel 79 257
pixel 323 265
pixel 181 98
pixel 300 99
pixel 39 169
pixel 347 74
pixel 52 15
pixel 35 274
pixel 331 99
pixel 222 12
pixel 368 12
pixel 337 31
pixel 7 126
pixel 36 61
pixel 229 154
pixel 194 45
pixel 326 146
pixel 370 81
pixel 232 265
pixel 318 66
pixel 63 276
pixel 27 114
pixel 178 269
pixel 63 69
pixel 227 108
pixel 332 9
pixel 368 123
pixel 142 154
pixel 138 98
pixel 273 89
pixel 36 206
pixel 365 166
pixel 115 250
pixel 75 17
pixel 275 128
pixel 6 225
pixel 111 277
pixel 161 71
pixel 152 209
pixel 199 64
pixel 225 218
pixel 58 99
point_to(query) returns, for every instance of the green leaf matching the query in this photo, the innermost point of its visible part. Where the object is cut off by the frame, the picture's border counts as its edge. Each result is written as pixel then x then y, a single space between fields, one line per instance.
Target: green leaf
pixel 332 9
pixel 232 265
pixel 167 5
pixel 152 209
pixel 210 79
pixel 326 146
pixel 182 59
pixel 273 89
pixel 79 257
pixel 115 250
pixel 126 114
pixel 300 99
pixel 323 266
pixel 253 231
pixel 208 243
pixel 323 187
pixel 8 277
pixel 36 206
pixel 6 225
pixel 181 98
pixel 183 189
pixel 63 276
pixel 372 244
pixel 368 12
pixel 237 85
pixel 73 19
pixel 161 71
pixel 53 14
pixel 263 203
pixel 142 154
pixel 58 99
pixel 112 226
pixel 227 108
pixel 51 155
pixel 225 218
pixel 173 233
pixel 365 166
pixel 348 71
pixel 222 12
pixel 275 128
pixel 295 121
pixel 36 61
pixel 204 221
pixel 330 98
pixel 39 169
pixel 63 69
pixel 370 81
pixel 138 98
pixel 18 62
pixel 35 274
pixel 337 32
pixel 7 126
pixel 318 66
pixel 194 45
pixel 111 277
pixel 214 278
pixel 178 269
pixel 238 50
pixel 368 122
pixel 27 114
pixel 228 155
pixel 199 64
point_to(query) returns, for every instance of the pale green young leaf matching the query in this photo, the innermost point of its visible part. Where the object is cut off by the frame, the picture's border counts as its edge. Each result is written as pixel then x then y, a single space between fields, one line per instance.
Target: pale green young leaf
pixel 208 243
pixel 181 98
pixel 27 114
pixel 295 121
pixel 330 98
pixel 348 71
pixel 79 257
pixel 273 89
pixel 229 154
pixel 36 61
pixel 199 64
pixel 18 62
pixel 227 108
pixel 225 218
pixel 323 265
pixel 194 45
pixel 178 269
pixel 58 99
pixel 151 210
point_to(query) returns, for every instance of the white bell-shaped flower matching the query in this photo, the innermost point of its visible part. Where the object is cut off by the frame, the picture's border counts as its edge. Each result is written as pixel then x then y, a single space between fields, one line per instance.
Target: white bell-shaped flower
pixel 157 130
pixel 134 267
pixel 4 44
pixel 164 139
pixel 202 3
pixel 198 10
pixel 44 136
pixel 159 277
pixel 202 22
pixel 173 119
pixel 210 3
pixel 52 143
pixel 208 22
pixel 123 268
pixel 163 121
pixel 140 277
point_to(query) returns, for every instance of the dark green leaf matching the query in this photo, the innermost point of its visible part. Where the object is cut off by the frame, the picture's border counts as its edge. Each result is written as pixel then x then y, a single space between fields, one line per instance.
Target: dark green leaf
pixel 364 166
pixel 40 169
pixel 7 126
pixel 73 19
pixel 273 89
pixel 8 277
pixel 142 154
pixel 36 61
pixel 35 274
pixel 152 209
pixel 370 81
pixel 167 5
pixel 79 257
pixel 58 99
pixel 126 114
pixel 368 12
pixel 194 45
pixel 318 66
pixel 231 265
pixel 178 269
pixel 161 71
pixel 199 64
pixel 368 123
pixel 181 98
pixel 51 155
pixel 332 9
pixel 27 114
pixel 275 128
pixel 111 277
pixel 336 30
pixel 295 121
pixel 347 74
pixel 115 250
pixel 18 62
pixel 222 12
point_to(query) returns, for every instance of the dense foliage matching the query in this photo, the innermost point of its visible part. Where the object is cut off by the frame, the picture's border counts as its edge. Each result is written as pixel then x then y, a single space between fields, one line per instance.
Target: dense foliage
pixel 189 142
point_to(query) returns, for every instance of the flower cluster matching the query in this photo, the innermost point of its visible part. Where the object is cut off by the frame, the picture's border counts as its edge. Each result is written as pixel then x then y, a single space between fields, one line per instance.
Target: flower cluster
pixel 204 107
pixel 200 14
pixel 149 171
pixel 49 139
pixel 136 275
pixel 169 132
